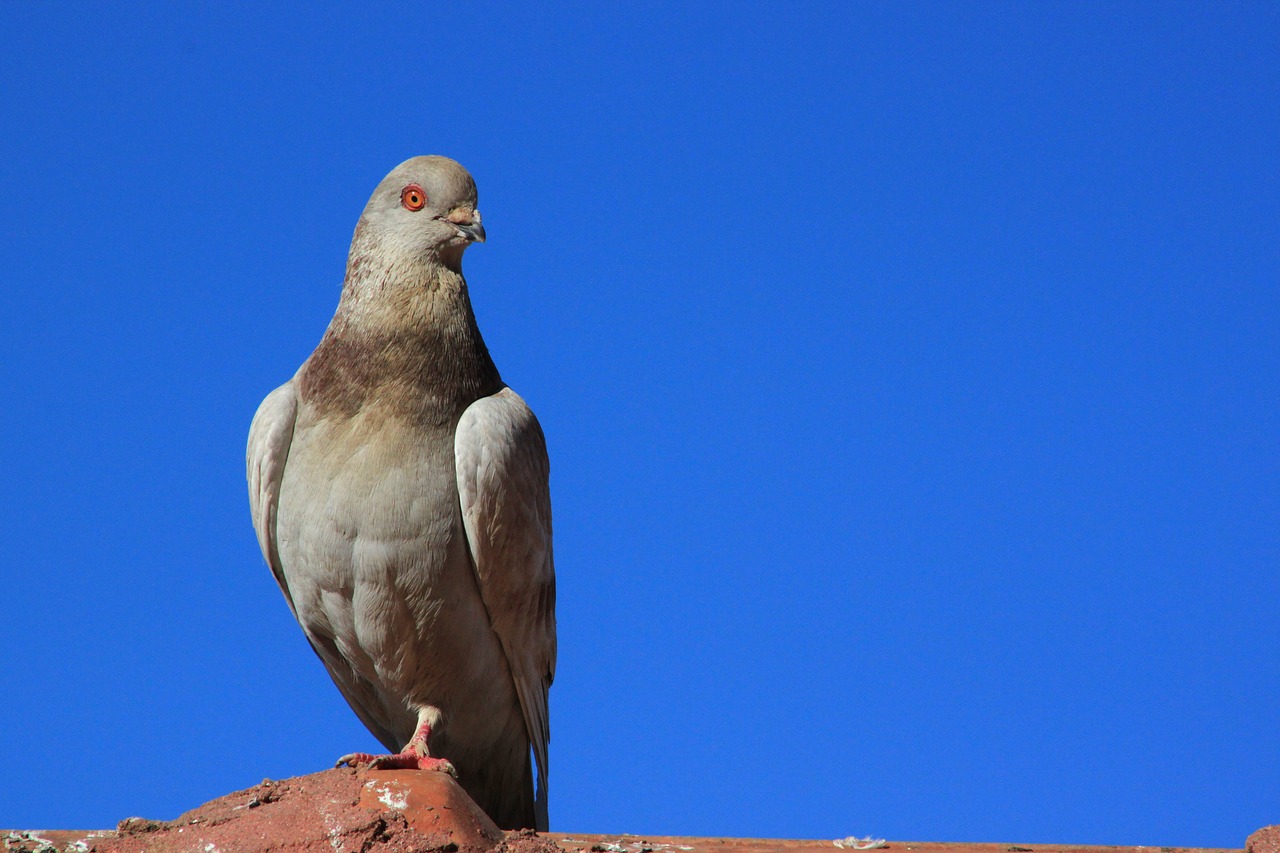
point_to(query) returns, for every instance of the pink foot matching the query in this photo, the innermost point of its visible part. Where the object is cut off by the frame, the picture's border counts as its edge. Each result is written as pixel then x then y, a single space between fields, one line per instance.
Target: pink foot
pixel 407 760
pixel 413 757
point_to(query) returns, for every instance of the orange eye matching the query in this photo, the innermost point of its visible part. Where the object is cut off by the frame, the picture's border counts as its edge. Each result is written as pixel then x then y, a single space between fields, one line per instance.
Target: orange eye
pixel 413 197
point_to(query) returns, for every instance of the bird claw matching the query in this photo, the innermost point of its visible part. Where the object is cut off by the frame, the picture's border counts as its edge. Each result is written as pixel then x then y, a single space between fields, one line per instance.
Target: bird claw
pixel 355 759
pixel 439 765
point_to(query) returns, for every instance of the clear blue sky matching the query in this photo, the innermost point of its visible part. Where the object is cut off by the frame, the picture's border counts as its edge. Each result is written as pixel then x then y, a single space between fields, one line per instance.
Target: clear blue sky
pixel 911 375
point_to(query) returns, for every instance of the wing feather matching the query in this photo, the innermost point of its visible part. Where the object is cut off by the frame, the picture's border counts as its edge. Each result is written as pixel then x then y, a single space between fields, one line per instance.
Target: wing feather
pixel 503 472
pixel 269 438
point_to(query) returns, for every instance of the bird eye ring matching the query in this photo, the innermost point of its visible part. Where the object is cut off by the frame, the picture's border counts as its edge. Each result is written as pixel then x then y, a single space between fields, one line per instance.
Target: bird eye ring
pixel 413 197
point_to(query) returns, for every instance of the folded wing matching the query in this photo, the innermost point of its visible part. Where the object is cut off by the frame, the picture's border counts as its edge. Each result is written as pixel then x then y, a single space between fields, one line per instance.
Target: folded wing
pixel 269 440
pixel 503 471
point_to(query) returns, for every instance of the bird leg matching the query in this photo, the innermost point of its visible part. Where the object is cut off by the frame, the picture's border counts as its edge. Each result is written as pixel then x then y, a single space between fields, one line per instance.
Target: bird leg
pixel 414 756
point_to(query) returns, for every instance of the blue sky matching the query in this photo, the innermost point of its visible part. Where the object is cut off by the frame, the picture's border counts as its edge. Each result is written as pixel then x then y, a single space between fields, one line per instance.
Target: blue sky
pixel 909 373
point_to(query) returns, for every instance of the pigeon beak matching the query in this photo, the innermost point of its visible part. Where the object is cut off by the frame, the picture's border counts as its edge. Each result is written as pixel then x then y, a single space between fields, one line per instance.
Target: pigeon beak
pixel 467 220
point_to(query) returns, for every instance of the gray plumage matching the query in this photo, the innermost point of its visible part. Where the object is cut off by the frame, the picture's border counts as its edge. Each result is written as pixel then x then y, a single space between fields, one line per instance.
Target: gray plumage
pixel 399 494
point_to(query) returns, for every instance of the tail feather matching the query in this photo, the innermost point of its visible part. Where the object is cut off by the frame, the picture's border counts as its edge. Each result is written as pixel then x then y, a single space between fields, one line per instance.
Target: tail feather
pixel 540 805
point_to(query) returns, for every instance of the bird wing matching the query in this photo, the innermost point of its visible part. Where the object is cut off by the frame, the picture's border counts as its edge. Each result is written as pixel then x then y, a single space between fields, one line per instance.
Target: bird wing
pixel 503 472
pixel 269 438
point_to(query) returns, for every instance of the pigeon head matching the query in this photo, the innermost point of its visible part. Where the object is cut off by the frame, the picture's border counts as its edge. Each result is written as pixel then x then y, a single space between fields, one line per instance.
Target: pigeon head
pixel 424 211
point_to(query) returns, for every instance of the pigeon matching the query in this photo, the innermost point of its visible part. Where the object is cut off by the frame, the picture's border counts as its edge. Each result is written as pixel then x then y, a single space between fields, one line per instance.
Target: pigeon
pixel 399 492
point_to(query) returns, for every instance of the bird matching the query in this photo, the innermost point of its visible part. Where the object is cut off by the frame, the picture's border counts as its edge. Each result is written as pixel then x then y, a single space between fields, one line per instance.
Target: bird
pixel 399 490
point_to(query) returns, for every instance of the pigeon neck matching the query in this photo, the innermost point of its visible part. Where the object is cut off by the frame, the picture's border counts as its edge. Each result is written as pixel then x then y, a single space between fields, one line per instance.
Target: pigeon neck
pixel 404 299
pixel 406 341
